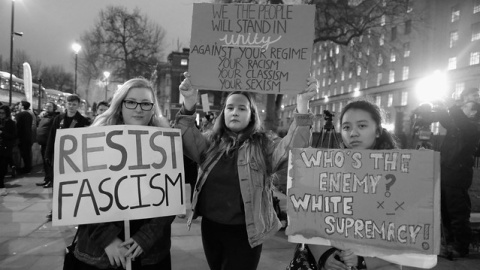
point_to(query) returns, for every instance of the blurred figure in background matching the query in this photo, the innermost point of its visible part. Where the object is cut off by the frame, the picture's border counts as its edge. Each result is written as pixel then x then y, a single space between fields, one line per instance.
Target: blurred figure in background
pixel 457 160
pixel 8 135
pixel 25 121
pixel 43 131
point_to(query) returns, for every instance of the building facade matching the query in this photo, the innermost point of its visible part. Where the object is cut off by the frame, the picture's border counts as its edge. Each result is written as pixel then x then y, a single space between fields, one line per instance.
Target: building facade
pixel 445 42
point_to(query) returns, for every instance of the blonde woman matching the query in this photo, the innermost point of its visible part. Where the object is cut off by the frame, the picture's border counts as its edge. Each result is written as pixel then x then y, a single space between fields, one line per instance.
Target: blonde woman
pixel 101 245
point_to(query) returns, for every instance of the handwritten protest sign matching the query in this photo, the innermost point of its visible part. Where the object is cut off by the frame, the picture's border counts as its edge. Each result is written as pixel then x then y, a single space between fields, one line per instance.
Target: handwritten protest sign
pixel 115 173
pixel 248 47
pixel 374 202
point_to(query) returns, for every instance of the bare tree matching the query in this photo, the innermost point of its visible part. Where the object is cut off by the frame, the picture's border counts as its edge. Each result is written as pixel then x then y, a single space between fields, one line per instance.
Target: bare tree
pixel 57 78
pixel 126 43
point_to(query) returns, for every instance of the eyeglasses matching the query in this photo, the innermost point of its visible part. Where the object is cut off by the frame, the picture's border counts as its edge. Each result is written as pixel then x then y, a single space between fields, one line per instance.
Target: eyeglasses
pixel 132 105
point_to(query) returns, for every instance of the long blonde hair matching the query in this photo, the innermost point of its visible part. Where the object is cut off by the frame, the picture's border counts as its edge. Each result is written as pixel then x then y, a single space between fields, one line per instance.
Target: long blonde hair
pixel 113 116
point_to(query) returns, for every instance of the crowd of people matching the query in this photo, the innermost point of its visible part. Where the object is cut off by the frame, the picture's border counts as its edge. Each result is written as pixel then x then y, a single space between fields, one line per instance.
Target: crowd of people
pixel 21 127
pixel 229 162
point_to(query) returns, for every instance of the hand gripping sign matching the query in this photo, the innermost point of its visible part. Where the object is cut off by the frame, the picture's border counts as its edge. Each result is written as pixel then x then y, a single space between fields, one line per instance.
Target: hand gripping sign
pixel 382 203
pixel 114 173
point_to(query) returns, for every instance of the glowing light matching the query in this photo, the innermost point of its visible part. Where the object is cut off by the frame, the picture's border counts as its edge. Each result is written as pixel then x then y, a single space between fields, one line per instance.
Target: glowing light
pixel 356 92
pixel 390 127
pixel 76 47
pixel 432 88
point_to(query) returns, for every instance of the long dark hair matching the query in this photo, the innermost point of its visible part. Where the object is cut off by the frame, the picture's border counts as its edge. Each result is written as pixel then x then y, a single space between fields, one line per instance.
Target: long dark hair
pixel 222 137
pixel 385 140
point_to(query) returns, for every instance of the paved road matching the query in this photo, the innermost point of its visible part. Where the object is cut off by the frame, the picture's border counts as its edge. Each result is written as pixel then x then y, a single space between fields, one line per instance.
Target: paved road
pixel 28 241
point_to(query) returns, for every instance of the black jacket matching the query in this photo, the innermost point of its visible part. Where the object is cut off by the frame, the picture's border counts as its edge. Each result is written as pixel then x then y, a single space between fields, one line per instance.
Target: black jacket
pixel 61 122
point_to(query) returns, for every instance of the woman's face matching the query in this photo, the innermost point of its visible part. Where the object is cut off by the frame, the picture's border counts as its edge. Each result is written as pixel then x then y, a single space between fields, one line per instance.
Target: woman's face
pixel 237 113
pixel 138 97
pixel 359 130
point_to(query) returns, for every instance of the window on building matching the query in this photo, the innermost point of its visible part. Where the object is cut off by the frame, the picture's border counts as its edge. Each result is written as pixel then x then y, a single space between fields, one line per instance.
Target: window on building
pixel 453 38
pixel 475 58
pixel 329 80
pixel 393 56
pixel 368 51
pixel 337 49
pixel 379 78
pixel 350 74
pixel 380 60
pixel 342 76
pixel 390 100
pixel 391 76
pixel 358 85
pixel 366 84
pixel 404 98
pixel 381 41
pixel 314 62
pixel 378 101
pixel 382 20
pixel 476 7
pixel 349 88
pixel 342 89
pixel 452 63
pixel 405 73
pixel 476 31
pixel 319 58
pixel 409 6
pixel 393 36
pixel 359 70
pixel 408 27
pixel 319 72
pixel 455 14
pixel 459 87
pixel 333 107
pixel 406 49
pixel 323 82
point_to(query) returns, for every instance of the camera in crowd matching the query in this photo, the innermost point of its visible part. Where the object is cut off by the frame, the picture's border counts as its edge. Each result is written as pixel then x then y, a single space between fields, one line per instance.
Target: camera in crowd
pixel 327 115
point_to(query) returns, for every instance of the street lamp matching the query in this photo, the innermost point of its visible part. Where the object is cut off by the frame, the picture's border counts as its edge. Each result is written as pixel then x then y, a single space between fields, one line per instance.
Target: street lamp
pixel 12 34
pixel 76 48
pixel 106 74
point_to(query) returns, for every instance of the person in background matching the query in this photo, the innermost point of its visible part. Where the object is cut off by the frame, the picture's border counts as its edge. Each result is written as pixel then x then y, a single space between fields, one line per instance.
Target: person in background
pixel 43 131
pixel 361 128
pixel 70 119
pixel 102 245
pixel 457 159
pixel 101 108
pixel 207 121
pixel 25 121
pixel 236 162
pixel 8 134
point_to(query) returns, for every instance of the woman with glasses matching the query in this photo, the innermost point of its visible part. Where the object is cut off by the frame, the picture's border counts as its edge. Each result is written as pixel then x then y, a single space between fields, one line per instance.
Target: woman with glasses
pixel 8 134
pixel 101 246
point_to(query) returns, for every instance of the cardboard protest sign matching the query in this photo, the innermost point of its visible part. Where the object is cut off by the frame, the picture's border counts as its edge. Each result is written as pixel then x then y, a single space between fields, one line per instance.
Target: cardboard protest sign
pixel 115 173
pixel 382 202
pixel 248 47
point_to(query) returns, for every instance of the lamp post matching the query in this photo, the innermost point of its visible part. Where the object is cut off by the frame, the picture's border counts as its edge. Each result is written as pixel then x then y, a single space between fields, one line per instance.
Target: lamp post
pixel 106 74
pixel 12 34
pixel 76 48
pixel 40 94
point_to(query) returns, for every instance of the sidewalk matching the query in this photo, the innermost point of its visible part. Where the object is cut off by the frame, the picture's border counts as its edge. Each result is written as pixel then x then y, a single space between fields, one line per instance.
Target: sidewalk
pixel 28 241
